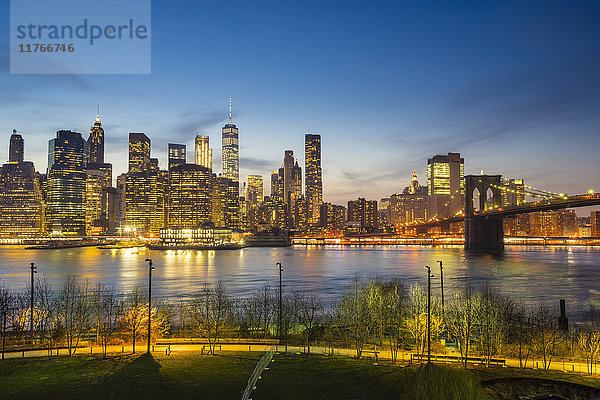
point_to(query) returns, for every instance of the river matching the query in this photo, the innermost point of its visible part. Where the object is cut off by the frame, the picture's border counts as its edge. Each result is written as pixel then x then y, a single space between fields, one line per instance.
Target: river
pixel 529 274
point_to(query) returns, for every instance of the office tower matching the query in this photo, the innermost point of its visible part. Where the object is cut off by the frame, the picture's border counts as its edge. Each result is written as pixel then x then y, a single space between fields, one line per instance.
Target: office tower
pixel 225 202
pixel 95 143
pixel 20 195
pixel 364 212
pixel 66 184
pixel 408 206
pixel 277 185
pixel 513 193
pixel 16 148
pixel 145 186
pixel 332 216
pixel 190 197
pixel 98 181
pixel 384 211
pixel 231 154
pixel 255 191
pixel 120 208
pixel 288 181
pixel 139 152
pixel 203 152
pixel 313 177
pixel 595 223
pixel 177 155
pixel 445 185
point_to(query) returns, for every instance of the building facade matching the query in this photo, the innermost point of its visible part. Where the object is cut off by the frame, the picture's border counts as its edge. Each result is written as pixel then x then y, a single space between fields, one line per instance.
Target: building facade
pixel 65 214
pixel 445 185
pixel 231 152
pixel 21 207
pixel 313 177
pixel 177 155
pixel 203 151
pixel 364 212
pixel 189 196
pixel 95 143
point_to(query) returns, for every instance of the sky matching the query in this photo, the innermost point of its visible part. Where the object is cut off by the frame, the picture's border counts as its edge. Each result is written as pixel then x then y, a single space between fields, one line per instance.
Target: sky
pixel 511 85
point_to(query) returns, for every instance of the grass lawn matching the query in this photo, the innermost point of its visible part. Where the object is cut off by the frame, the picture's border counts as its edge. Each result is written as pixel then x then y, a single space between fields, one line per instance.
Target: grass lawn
pixel 190 375
pixel 322 377
pixel 179 376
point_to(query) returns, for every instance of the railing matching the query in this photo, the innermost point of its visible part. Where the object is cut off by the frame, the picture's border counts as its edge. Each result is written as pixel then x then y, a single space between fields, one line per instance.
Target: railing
pixel 260 367
pixel 460 359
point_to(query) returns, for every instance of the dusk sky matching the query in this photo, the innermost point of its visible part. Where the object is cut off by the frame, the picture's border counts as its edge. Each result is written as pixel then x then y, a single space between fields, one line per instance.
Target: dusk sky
pixel 514 86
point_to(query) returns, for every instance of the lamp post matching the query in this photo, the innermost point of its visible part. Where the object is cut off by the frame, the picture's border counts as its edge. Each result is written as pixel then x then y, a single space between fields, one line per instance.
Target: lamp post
pixel 33 271
pixel 442 281
pixel 150 268
pixel 429 275
pixel 280 299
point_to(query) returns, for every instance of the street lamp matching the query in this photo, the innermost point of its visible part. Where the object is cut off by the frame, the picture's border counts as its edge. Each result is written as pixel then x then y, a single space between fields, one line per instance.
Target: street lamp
pixel 429 276
pixel 442 281
pixel 33 271
pixel 280 298
pixel 150 268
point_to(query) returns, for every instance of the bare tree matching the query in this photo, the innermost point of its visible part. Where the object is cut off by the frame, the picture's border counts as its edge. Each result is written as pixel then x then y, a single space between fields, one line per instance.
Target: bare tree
pixel 394 305
pixel 6 310
pixel 108 311
pixel 521 332
pixel 74 311
pixel 354 314
pixel 588 338
pixel 45 311
pixel 308 308
pixel 546 334
pixel 416 321
pixel 493 317
pixel 461 319
pixel 212 313
pixel 136 313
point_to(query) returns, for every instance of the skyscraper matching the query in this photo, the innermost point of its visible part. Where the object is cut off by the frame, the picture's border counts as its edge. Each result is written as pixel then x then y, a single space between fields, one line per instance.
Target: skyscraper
pixel 190 201
pixel 595 222
pixel 409 206
pixel 514 193
pixel 20 195
pixel 144 188
pixel 313 177
pixel 203 152
pixel 97 184
pixel 98 181
pixel 231 154
pixel 255 191
pixel 445 185
pixel 139 152
pixel 288 181
pixel 365 212
pixel 277 185
pixel 177 155
pixel 66 184
pixel 95 143
pixel 16 148
pixel 225 202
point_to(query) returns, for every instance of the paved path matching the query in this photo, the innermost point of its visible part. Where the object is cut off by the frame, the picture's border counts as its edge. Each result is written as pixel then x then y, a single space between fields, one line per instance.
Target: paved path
pixel 403 357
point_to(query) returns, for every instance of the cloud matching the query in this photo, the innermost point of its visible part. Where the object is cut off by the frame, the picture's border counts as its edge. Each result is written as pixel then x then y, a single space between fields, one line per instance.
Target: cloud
pixel 257 163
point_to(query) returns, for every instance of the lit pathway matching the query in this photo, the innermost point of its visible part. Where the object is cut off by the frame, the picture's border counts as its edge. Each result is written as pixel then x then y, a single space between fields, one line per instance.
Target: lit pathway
pixel 403 358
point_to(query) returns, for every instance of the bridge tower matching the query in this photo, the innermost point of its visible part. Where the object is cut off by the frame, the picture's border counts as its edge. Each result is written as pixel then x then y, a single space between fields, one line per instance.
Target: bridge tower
pixel 483 232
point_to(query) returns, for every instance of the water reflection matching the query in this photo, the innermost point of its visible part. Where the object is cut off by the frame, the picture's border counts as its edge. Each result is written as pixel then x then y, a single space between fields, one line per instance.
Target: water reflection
pixel 529 273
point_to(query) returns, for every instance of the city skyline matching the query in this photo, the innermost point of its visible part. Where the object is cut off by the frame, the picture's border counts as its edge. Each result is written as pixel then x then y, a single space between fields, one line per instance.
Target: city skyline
pixel 193 159
pixel 518 78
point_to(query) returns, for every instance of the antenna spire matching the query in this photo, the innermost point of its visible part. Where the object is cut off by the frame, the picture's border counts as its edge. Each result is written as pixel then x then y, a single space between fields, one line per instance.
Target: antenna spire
pixel 98 111
pixel 229 110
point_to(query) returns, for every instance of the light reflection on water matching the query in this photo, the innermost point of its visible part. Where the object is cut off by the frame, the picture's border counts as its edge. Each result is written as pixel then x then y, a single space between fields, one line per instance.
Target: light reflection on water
pixel 528 273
